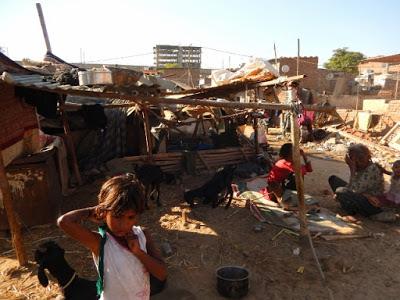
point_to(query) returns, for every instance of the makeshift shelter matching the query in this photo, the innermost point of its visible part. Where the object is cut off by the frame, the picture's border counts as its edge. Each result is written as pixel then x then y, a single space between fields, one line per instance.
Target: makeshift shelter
pixel 148 101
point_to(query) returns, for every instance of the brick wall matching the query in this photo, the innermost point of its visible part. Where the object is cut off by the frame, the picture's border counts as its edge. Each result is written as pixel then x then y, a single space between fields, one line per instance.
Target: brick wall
pixel 394 106
pixel 15 117
pixel 308 65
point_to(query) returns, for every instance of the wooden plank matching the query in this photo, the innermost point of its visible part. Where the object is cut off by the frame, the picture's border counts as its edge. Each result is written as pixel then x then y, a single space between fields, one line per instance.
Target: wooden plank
pixel 387 135
pixel 70 143
pixel 15 227
pixel 335 237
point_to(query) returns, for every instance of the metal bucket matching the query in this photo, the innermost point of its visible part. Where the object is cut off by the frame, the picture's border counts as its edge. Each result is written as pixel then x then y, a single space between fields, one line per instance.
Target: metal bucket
pixel 232 281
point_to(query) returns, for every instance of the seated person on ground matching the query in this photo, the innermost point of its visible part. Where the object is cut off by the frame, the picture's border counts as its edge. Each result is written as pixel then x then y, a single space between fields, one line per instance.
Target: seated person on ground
pixel 281 177
pixel 366 179
pixel 392 197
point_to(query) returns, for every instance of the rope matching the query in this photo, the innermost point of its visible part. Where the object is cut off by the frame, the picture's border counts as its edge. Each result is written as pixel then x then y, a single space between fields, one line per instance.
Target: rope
pixel 69 282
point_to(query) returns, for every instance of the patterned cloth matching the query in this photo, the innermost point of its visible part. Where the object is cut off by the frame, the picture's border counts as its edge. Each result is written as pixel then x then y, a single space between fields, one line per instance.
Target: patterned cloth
pixel 394 191
pixel 369 181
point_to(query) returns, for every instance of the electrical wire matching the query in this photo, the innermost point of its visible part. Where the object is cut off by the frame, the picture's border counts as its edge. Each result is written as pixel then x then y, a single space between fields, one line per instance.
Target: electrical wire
pixel 121 57
pixel 228 52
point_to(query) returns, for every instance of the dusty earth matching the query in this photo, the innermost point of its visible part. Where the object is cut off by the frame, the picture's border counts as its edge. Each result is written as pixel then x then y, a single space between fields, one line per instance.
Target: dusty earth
pixel 355 269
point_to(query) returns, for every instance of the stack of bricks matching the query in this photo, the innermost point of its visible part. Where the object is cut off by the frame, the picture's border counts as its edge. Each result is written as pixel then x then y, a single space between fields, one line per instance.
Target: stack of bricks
pixel 394 106
pixel 394 110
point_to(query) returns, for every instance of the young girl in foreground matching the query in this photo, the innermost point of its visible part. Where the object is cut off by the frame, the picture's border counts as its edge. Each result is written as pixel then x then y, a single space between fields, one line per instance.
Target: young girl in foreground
pixel 126 256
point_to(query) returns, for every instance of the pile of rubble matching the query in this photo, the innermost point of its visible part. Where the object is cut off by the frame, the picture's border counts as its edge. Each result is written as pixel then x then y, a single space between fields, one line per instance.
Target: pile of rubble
pixel 336 145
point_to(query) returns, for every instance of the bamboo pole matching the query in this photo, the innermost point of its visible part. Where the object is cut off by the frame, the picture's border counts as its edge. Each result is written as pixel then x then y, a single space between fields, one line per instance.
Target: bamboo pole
pixel 15 227
pixel 241 105
pixel 304 232
pixel 70 142
pixel 299 177
pixel 147 133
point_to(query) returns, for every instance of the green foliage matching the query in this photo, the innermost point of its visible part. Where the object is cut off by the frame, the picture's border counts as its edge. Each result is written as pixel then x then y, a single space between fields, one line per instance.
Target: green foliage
pixel 172 66
pixel 344 60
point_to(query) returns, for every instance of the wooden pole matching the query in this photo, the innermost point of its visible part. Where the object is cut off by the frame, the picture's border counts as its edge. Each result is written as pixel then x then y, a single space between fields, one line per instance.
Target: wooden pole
pixel 70 141
pixel 397 85
pixel 147 133
pixel 196 128
pixel 299 177
pixel 255 127
pixel 44 29
pixel 298 57
pixel 211 103
pixel 276 61
pixel 203 127
pixel 15 227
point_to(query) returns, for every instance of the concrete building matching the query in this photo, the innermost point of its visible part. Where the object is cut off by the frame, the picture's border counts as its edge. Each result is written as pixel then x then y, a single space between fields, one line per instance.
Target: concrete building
pixel 177 56
pixel 380 65
pixel 381 72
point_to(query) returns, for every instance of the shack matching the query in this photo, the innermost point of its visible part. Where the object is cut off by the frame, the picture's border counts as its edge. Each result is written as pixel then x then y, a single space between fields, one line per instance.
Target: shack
pixel 149 102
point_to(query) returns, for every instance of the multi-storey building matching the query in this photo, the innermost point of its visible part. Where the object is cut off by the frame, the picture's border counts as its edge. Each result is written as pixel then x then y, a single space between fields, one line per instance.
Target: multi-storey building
pixel 177 56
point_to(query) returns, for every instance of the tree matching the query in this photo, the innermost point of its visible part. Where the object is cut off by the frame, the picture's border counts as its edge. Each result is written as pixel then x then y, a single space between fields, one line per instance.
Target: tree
pixel 344 60
pixel 172 65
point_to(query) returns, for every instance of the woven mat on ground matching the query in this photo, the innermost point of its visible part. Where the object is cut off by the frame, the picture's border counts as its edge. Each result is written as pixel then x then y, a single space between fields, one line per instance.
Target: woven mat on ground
pixel 324 222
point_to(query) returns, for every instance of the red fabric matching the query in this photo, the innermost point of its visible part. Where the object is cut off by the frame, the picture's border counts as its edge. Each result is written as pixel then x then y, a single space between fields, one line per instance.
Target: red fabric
pixel 306 118
pixel 282 168
pixel 280 171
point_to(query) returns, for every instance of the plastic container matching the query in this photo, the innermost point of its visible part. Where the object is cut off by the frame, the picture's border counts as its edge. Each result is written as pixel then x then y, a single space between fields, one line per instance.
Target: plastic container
pixel 100 76
pixel 232 281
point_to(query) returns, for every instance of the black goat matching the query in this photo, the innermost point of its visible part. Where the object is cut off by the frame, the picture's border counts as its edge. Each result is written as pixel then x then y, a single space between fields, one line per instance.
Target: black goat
pixel 50 256
pixel 151 176
pixel 209 192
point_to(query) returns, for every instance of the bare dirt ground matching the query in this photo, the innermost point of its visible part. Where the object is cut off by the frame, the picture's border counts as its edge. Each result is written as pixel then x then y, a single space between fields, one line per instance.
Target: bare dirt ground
pixel 355 269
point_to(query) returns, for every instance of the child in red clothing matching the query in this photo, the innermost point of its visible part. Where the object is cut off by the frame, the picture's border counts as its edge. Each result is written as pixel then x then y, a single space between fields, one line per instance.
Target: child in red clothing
pixel 281 176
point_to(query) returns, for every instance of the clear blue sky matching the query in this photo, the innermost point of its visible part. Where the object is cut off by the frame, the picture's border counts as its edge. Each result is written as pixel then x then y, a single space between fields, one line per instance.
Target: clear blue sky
pixel 117 28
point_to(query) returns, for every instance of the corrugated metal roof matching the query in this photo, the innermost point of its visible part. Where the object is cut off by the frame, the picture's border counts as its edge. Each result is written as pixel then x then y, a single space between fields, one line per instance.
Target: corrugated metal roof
pixel 40 82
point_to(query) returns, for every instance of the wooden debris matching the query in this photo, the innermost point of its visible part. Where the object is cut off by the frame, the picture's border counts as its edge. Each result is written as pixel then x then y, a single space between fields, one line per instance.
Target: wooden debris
pixel 284 230
pixel 335 237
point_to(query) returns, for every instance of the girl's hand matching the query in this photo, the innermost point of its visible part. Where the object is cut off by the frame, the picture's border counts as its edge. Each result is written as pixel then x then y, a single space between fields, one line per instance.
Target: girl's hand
pixel 97 215
pixel 133 243
pixel 351 163
pixel 372 200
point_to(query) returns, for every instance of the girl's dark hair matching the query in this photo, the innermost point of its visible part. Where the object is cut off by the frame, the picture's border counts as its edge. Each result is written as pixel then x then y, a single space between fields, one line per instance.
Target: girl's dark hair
pixel 286 151
pixel 121 193
pixel 359 150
